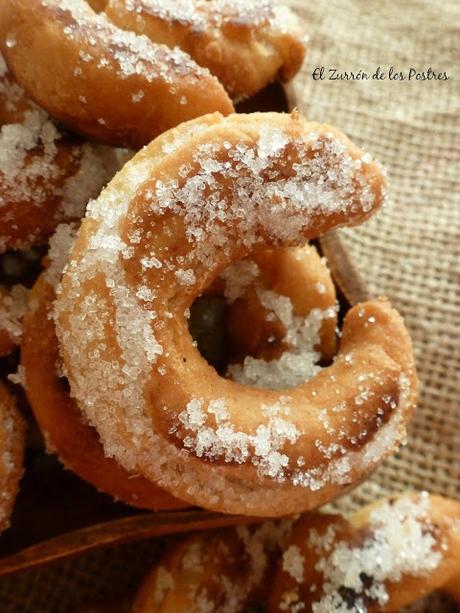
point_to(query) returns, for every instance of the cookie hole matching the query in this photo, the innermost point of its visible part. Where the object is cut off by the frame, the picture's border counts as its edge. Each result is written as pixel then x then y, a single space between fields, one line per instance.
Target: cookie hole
pixel 252 335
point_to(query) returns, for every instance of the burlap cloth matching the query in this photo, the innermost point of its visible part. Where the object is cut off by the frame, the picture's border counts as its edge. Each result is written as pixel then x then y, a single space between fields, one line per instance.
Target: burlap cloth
pixel 410 251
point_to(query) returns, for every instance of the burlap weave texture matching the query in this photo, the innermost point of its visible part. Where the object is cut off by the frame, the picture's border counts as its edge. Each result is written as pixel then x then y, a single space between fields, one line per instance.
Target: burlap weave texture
pixel 410 251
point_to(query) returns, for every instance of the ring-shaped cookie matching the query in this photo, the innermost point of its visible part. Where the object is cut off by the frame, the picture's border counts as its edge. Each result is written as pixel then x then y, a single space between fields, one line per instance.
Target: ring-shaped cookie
pixel 77 444
pixel 104 83
pixel 165 227
pixel 383 558
pixel 246 45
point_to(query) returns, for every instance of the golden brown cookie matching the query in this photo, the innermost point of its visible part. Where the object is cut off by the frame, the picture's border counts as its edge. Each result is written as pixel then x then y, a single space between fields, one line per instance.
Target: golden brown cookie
pixel 384 557
pixel 104 83
pixel 12 435
pixel 197 199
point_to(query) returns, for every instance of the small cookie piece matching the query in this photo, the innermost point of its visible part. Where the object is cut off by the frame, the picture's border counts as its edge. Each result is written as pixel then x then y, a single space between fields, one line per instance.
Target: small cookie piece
pixel 384 557
pixel 12 441
pixel 214 571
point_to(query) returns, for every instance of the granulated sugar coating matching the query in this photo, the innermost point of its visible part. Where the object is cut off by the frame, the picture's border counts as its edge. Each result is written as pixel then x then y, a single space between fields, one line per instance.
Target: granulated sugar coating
pixel 296 365
pixel 199 15
pixel 45 176
pixel 293 563
pixel 59 247
pixel 400 544
pixel 277 324
pixel 13 305
pixel 133 54
pixel 238 278
pixel 13 102
pixel 30 155
pixel 264 310
pixel 386 556
pixel 162 231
